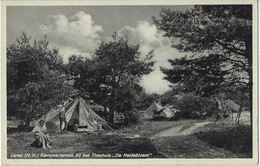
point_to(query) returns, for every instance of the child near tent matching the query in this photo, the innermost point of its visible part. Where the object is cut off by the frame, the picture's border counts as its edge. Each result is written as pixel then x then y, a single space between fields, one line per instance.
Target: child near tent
pixel 41 135
pixel 62 118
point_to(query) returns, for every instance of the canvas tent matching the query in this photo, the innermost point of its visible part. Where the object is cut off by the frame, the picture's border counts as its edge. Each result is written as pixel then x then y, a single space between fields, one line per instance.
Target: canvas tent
pixel 76 112
pixel 173 109
pixel 152 110
pixel 156 110
pixel 167 113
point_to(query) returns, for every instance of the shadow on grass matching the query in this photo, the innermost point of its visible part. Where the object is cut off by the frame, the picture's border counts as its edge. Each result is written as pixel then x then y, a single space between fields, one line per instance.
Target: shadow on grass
pixel 20 142
pixel 116 144
pixel 20 128
pixel 237 140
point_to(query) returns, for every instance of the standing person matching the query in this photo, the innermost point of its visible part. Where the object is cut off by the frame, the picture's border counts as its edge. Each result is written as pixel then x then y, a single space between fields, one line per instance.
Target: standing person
pixel 218 108
pixel 62 117
pixel 41 135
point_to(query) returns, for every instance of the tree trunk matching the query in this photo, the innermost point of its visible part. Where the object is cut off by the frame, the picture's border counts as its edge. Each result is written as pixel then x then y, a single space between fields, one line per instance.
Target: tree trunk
pixel 112 101
pixel 251 99
pixel 239 113
pixel 28 118
pixel 250 73
pixel 27 123
pixel 106 112
pixel 112 107
pixel 111 113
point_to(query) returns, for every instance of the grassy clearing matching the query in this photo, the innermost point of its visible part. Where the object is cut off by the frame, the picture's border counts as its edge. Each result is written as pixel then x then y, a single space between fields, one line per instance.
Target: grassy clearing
pixel 224 134
pixel 210 144
pixel 71 143
pixel 214 140
pixel 237 140
pixel 117 142
pixel 189 147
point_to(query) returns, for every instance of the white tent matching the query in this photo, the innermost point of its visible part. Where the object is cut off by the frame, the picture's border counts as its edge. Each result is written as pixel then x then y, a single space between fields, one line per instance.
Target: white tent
pixel 156 110
pixel 167 113
pixel 173 109
pixel 77 112
pixel 152 110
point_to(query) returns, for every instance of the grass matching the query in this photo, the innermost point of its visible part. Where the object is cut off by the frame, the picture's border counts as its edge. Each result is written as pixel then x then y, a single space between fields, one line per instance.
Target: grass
pixel 214 140
pixel 117 142
pixel 237 140
pixel 189 147
pixel 83 143
pixel 224 134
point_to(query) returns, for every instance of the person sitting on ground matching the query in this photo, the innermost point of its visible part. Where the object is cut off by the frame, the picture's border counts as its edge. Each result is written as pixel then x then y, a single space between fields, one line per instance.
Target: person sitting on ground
pixel 41 135
pixel 62 117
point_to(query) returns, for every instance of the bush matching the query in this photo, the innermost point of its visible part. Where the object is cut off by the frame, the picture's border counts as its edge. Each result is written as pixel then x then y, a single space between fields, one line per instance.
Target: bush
pixel 207 106
pixel 194 106
pixel 230 105
pixel 127 118
pixel 187 104
pixel 131 117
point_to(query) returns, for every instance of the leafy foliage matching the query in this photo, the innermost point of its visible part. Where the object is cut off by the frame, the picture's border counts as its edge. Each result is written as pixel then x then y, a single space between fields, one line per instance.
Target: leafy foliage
pixel 223 30
pixel 192 105
pixel 144 100
pixel 111 77
pixel 35 81
pixel 217 29
pixel 230 105
pixel 203 75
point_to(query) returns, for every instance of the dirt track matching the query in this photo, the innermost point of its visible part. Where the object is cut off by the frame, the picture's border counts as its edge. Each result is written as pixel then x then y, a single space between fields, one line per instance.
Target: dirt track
pixel 176 131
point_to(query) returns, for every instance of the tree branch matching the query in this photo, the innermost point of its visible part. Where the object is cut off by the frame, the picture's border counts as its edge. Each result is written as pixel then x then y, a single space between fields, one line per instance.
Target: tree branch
pixel 122 71
pixel 231 48
pixel 234 60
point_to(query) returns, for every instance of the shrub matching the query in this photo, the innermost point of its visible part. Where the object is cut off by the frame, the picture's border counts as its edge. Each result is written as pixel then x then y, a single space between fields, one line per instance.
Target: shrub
pixel 194 106
pixel 188 104
pixel 127 118
pixel 131 117
pixel 230 105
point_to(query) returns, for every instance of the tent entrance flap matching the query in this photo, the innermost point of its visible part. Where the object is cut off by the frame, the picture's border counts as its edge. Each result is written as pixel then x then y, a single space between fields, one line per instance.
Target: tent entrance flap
pixel 86 117
pixel 74 118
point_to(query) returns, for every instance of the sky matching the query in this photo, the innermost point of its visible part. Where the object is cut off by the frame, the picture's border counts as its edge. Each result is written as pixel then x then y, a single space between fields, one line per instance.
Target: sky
pixel 80 29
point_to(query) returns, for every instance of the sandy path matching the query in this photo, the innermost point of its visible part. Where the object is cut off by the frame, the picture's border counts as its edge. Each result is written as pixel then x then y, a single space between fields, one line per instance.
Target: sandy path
pixel 176 131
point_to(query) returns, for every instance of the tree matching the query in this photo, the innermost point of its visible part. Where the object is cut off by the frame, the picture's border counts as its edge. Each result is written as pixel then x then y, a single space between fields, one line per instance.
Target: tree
pixel 217 29
pixel 144 100
pixel 203 75
pixel 35 82
pixel 111 77
pixel 74 66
